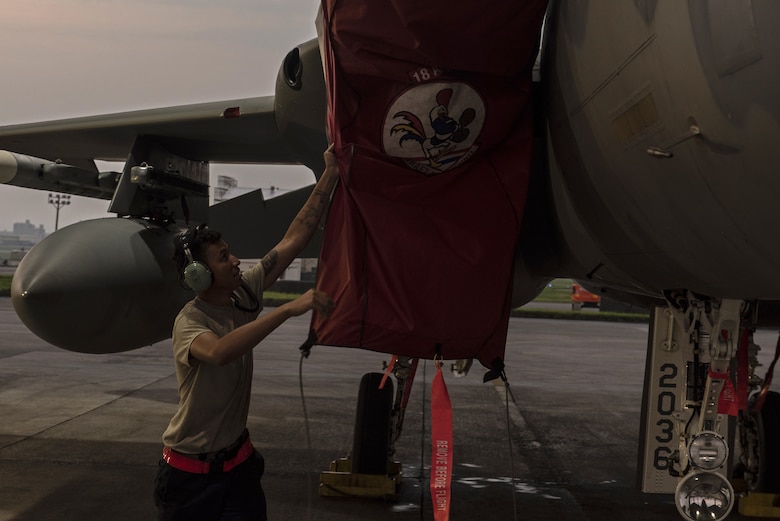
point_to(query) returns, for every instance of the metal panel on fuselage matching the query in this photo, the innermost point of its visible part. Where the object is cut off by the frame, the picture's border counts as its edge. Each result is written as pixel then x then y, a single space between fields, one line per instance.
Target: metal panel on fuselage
pixel 629 76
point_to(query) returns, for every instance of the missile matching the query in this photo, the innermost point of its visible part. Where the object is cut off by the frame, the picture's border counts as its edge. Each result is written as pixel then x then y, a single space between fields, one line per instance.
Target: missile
pixel 35 172
pixel 101 286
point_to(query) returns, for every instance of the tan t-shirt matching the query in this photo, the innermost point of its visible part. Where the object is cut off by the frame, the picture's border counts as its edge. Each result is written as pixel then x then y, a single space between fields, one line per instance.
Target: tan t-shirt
pixel 213 400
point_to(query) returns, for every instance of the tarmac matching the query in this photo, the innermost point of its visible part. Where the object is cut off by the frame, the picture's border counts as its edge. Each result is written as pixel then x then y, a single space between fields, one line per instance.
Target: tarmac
pixel 80 434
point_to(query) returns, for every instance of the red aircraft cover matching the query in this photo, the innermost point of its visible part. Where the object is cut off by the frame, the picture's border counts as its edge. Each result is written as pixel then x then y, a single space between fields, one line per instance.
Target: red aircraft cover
pixel 429 109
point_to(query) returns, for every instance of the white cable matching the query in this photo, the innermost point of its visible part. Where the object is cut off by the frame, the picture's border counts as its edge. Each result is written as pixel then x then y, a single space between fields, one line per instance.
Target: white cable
pixel 308 439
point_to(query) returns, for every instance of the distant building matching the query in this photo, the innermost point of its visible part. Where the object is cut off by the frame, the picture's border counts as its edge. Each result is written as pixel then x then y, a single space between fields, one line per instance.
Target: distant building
pixel 304 270
pixel 15 245
pixel 29 232
pixel 227 188
pixel 309 269
pixel 224 185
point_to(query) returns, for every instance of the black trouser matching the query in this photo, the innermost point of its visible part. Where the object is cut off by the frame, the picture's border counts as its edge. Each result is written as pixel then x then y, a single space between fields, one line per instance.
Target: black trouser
pixel 236 495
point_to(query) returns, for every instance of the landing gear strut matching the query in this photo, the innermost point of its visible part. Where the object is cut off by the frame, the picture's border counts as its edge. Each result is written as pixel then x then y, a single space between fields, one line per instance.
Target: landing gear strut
pixel 697 443
pixel 370 471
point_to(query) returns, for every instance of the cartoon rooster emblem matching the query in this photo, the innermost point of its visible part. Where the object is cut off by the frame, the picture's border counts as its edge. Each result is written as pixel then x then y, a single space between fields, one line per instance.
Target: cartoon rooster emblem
pixel 440 148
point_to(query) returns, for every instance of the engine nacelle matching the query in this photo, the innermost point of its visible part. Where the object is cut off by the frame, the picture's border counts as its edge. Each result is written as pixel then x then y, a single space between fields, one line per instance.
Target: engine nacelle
pixel 300 105
pixel 101 286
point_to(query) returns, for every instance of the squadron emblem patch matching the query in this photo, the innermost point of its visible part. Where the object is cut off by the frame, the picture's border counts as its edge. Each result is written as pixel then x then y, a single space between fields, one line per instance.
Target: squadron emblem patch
pixel 434 126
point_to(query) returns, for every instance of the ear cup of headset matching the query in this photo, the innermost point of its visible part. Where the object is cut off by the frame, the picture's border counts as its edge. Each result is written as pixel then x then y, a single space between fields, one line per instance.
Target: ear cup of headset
pixel 198 276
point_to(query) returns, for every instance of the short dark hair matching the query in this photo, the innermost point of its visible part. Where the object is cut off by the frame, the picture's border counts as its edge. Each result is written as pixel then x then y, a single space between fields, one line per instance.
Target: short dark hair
pixel 196 239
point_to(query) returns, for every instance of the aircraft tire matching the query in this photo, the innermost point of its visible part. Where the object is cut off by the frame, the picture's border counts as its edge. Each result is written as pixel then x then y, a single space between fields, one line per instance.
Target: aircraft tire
pixel 371 441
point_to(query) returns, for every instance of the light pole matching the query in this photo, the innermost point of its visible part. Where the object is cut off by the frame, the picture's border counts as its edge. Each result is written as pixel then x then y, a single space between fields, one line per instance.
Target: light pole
pixel 58 200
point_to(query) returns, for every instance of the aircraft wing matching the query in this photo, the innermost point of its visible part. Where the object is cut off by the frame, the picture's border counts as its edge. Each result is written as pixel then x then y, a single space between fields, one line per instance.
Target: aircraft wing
pixel 286 128
pixel 240 130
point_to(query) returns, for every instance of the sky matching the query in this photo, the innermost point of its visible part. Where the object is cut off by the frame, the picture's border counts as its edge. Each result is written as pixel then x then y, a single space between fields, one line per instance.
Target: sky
pixel 72 58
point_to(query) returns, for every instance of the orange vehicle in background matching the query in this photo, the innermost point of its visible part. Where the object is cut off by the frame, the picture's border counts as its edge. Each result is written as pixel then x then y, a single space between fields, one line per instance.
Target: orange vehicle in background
pixel 580 297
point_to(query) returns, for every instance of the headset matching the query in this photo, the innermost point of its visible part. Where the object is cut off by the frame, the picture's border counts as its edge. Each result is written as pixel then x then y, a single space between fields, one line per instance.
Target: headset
pixel 197 275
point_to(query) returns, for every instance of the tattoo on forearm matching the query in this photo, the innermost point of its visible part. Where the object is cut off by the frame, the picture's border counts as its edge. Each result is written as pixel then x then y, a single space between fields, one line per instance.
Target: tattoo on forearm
pixel 269 261
pixel 311 213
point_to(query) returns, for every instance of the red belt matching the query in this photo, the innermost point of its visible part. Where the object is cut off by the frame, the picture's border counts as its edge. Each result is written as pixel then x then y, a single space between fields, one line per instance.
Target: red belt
pixel 196 466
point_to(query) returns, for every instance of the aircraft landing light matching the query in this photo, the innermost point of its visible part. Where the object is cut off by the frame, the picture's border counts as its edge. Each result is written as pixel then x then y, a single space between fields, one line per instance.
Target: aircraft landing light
pixel 708 450
pixel 704 495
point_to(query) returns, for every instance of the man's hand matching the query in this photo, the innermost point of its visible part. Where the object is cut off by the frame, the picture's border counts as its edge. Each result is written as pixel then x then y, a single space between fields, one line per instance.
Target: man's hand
pixel 330 157
pixel 312 299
